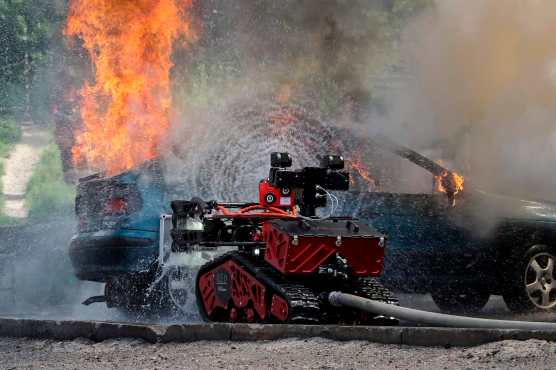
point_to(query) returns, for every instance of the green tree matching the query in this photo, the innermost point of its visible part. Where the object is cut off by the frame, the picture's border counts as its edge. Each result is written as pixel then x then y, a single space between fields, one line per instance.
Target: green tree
pixel 330 52
pixel 30 31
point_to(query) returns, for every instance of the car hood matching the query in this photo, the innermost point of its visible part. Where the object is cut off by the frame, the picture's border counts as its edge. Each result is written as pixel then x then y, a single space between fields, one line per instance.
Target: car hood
pixel 473 203
pixel 508 207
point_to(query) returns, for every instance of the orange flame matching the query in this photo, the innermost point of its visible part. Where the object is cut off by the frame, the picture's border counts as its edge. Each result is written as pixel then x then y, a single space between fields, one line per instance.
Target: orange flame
pixel 450 183
pixel 125 112
pixel 363 172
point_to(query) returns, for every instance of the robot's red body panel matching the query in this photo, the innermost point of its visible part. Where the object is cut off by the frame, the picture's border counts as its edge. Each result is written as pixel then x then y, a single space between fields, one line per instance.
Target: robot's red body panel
pixel 294 247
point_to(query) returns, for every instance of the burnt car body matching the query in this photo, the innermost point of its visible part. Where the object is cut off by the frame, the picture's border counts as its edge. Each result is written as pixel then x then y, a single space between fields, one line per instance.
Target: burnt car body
pixel 461 253
pixel 116 243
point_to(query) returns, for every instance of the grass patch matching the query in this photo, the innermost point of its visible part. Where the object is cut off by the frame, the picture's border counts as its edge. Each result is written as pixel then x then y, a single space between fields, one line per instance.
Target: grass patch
pixel 1 193
pixel 10 221
pixel 47 193
pixel 10 133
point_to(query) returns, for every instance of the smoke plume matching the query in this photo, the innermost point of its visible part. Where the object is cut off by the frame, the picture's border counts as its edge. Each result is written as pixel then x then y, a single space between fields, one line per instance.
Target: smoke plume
pixel 258 63
pixel 299 51
pixel 483 84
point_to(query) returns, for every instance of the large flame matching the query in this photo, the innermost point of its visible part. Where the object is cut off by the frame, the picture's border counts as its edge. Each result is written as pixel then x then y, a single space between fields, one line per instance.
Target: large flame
pixel 125 112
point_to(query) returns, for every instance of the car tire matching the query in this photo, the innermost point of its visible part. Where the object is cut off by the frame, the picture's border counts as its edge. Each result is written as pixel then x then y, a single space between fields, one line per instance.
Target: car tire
pixel 134 297
pixel 460 299
pixel 530 284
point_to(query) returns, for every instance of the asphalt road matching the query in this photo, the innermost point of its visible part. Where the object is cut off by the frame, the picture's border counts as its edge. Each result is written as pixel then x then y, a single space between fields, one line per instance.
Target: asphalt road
pixel 495 309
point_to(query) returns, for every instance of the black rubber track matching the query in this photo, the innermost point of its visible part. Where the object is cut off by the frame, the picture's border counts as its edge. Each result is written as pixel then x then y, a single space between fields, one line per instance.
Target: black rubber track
pixel 304 304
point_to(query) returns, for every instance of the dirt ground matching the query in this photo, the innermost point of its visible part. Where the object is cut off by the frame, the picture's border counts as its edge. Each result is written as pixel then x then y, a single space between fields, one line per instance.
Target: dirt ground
pixel 285 354
pixel 19 168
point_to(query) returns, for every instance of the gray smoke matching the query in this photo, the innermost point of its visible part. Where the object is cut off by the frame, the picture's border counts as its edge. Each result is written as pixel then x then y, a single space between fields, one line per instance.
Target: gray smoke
pixel 319 53
pixel 258 57
pixel 36 276
pixel 224 155
pixel 481 91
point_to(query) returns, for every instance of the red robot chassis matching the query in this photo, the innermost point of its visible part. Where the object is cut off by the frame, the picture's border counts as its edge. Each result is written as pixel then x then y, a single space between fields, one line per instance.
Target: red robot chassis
pixel 287 259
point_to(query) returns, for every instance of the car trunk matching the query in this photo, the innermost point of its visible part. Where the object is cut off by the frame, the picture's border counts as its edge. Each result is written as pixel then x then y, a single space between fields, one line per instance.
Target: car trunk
pixel 128 200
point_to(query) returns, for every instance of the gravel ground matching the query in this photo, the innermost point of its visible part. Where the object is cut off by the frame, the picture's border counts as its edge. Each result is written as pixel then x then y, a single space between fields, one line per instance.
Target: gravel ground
pixel 285 354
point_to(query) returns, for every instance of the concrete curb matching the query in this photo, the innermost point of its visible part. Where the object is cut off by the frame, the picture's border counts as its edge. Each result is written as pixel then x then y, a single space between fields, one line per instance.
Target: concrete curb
pixel 414 336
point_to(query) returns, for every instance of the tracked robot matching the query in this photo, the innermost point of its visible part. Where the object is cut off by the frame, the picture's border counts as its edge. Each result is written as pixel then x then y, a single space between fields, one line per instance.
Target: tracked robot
pixel 286 258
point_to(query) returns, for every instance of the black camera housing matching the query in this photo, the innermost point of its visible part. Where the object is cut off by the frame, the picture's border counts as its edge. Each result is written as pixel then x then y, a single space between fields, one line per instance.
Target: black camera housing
pixel 306 182
pixel 334 162
pixel 280 160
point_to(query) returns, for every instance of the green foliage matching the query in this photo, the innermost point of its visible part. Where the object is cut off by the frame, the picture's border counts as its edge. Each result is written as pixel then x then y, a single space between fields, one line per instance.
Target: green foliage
pixel 47 193
pixel 328 52
pixel 1 197
pixel 10 133
pixel 29 29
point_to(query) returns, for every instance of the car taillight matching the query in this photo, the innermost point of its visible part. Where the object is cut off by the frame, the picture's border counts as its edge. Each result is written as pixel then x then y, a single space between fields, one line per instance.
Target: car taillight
pixel 116 206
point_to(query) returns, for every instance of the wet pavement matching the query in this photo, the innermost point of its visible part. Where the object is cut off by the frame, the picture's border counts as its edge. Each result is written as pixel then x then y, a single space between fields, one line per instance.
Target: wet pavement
pixel 495 309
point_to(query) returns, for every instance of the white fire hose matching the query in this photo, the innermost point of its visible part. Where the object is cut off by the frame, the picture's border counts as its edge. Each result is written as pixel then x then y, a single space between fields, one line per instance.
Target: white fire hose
pixel 339 299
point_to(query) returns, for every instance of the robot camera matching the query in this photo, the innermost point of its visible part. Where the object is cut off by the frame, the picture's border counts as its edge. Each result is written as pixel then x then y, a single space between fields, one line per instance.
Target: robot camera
pixel 280 160
pixel 332 162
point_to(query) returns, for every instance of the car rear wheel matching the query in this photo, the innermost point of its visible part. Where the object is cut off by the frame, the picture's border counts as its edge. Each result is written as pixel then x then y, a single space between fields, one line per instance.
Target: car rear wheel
pixel 181 289
pixel 138 297
pixel 460 299
pixel 531 283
